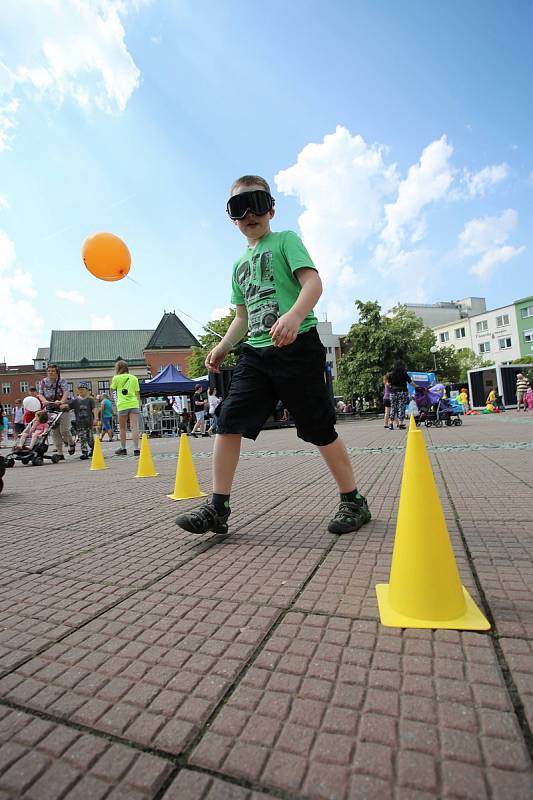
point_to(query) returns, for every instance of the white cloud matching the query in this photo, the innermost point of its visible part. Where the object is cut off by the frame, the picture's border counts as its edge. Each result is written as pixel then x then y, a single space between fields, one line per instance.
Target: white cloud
pixel 484 233
pixel 477 183
pixel 104 323
pixel 499 255
pixel 341 183
pixel 20 325
pixel 218 313
pixel 4 203
pixel 72 295
pixel 485 239
pixel 426 182
pixel 7 122
pixel 70 49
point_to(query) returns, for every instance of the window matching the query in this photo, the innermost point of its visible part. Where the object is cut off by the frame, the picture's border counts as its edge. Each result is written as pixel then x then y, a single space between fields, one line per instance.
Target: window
pixel 484 347
pixel 24 386
pixel 482 326
pixel 460 333
pixel 526 312
pixel 528 335
pixel 444 337
pixel 8 409
pixel 503 320
pixel 505 343
pixel 103 386
pixel 6 388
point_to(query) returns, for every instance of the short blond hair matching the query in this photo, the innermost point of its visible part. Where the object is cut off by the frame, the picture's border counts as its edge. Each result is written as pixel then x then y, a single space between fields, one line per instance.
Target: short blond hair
pixel 250 180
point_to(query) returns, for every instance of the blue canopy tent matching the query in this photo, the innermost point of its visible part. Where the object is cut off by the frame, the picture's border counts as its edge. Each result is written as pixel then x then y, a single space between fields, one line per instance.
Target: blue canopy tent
pixel 170 381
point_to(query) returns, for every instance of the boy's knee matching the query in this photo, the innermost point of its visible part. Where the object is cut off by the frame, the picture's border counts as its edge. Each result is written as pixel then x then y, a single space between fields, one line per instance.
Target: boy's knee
pixel 320 438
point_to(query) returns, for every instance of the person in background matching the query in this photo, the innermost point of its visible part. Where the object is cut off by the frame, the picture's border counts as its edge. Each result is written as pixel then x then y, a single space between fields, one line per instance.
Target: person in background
pixel 106 418
pixel 463 399
pixel 29 415
pixel 522 385
pixel 386 399
pixel 128 400
pixel 491 397
pixel 38 428
pixel 214 402
pixel 54 393
pixel 18 417
pixel 399 395
pixel 529 398
pixel 84 408
pixel 199 407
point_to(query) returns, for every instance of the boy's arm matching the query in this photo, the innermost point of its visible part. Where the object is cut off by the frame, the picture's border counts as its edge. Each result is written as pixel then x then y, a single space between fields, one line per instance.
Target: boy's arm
pixel 236 331
pixel 285 329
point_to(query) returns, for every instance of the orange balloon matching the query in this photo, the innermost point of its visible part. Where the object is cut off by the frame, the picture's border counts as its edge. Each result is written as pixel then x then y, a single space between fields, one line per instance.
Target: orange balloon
pixel 106 256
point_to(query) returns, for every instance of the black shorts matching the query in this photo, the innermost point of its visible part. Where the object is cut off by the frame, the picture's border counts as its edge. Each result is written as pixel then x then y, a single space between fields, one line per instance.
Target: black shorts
pixel 293 374
pixel 386 403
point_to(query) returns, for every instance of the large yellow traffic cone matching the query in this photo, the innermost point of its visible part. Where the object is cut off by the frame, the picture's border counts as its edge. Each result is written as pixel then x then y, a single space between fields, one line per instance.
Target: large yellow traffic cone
pixel 97 461
pixel 146 467
pixel 186 486
pixel 424 589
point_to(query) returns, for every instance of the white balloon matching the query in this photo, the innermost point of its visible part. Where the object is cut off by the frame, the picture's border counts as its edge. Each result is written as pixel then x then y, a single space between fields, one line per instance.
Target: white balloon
pixel 31 403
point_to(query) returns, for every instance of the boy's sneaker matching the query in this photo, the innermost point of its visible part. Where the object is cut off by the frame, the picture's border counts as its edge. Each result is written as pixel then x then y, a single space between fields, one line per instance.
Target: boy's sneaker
pixel 350 517
pixel 204 519
pixel 121 451
pixel 72 450
pixel 84 456
pixel 136 452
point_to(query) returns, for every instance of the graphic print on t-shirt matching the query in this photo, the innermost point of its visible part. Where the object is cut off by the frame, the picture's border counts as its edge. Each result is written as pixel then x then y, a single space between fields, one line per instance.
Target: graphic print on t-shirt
pixel 256 280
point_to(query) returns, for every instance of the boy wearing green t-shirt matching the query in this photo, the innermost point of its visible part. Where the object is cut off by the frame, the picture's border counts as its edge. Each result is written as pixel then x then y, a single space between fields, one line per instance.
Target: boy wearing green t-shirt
pixel 275 286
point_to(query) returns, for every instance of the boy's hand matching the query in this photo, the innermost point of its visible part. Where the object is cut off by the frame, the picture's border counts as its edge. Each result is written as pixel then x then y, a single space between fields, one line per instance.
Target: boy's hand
pixel 215 358
pixel 285 329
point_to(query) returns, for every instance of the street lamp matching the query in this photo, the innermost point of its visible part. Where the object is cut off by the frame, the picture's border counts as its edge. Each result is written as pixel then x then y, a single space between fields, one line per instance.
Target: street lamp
pixel 434 350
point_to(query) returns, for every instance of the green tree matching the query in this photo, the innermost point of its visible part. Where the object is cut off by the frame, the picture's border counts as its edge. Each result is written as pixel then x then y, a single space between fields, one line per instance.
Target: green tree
pixel 375 341
pixel 469 360
pixel 208 340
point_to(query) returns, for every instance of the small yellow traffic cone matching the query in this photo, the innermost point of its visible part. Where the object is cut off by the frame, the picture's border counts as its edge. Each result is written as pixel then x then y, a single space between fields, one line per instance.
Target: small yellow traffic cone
pixel 424 589
pixel 186 486
pixel 146 467
pixel 97 461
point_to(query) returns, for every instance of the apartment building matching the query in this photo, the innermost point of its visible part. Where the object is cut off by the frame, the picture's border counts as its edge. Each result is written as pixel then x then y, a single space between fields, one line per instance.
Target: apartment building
pixel 524 321
pixel 492 334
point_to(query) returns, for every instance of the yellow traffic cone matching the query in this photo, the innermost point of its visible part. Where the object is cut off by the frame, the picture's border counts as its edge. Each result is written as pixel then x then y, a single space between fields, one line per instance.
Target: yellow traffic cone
pixel 146 467
pixel 424 589
pixel 97 461
pixel 186 486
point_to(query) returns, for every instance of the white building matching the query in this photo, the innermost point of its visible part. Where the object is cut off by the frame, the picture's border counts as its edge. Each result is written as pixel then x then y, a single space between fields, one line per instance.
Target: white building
pixel 493 334
pixel 436 314
pixel 331 342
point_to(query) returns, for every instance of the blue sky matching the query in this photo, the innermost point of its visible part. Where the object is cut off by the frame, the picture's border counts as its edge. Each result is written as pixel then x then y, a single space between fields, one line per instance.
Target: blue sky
pixel 397 138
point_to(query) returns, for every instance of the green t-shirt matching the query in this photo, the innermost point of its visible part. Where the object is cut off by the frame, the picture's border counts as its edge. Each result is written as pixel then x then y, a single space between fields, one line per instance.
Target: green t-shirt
pixel 131 384
pixel 264 281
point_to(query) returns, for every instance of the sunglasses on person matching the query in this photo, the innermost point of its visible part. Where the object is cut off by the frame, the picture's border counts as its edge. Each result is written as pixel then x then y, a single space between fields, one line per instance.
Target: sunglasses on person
pixel 258 202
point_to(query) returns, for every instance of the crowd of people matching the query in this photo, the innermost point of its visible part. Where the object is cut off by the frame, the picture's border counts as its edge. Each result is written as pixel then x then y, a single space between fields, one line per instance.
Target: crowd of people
pixel 84 415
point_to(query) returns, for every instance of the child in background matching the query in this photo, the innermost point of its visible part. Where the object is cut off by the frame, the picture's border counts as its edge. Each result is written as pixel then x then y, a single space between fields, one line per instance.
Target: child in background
pixel 38 428
pixel 463 399
pixel 84 410
pixel 529 398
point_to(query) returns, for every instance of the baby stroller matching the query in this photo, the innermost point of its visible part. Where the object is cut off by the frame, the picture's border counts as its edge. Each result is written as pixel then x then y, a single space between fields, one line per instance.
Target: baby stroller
pixel 36 455
pixel 435 409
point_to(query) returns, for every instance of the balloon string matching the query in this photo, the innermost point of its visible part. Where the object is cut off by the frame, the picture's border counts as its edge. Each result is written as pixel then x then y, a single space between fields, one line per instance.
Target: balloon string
pixel 132 280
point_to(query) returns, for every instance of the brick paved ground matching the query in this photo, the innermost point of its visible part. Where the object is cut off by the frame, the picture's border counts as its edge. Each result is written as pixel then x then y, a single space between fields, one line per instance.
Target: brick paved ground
pixel 137 661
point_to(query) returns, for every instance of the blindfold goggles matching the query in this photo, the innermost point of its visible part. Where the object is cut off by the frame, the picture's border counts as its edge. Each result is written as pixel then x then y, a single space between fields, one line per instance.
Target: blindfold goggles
pixel 258 202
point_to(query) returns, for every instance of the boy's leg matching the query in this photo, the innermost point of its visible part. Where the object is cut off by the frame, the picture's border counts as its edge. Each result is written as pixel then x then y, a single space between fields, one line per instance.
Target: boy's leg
pixel 336 457
pixel 213 516
pixel 353 510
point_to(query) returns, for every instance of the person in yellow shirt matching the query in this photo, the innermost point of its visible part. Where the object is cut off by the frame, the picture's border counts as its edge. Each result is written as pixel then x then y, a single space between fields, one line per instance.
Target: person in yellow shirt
pixel 128 401
pixel 463 399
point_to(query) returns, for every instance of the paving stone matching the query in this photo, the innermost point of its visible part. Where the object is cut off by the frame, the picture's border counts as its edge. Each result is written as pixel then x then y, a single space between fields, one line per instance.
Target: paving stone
pixel 242 572
pixel 191 785
pixel 358 730
pixel 36 611
pixel 158 694
pixel 64 763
